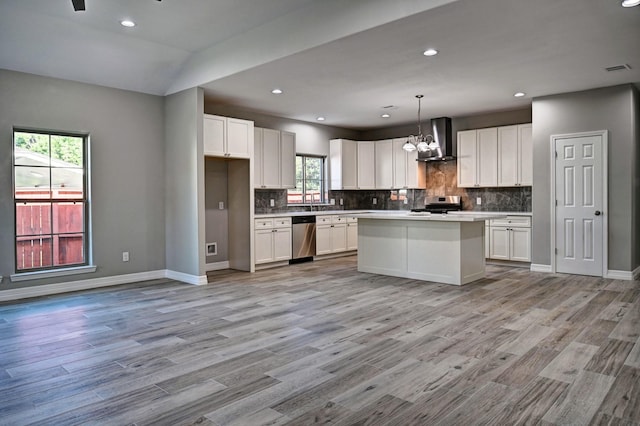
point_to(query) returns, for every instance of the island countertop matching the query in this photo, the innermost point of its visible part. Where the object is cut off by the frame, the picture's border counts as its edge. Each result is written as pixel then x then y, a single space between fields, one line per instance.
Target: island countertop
pixel 421 216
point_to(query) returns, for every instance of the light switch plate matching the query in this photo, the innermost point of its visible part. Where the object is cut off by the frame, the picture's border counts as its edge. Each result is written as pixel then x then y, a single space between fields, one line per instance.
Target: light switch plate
pixel 333 201
pixel 406 201
pixel 341 202
pixel 375 201
pixel 272 202
pixel 221 205
pixel 479 201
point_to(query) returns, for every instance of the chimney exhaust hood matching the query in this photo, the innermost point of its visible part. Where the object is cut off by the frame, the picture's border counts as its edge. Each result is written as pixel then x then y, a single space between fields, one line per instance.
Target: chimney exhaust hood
pixel 441 131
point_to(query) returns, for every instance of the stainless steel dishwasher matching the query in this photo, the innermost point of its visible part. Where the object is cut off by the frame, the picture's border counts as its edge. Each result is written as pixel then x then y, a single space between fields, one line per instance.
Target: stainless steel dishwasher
pixel 303 238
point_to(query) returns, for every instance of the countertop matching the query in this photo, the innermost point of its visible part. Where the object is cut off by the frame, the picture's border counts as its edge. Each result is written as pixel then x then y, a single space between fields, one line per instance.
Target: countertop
pixel 384 212
pixel 432 217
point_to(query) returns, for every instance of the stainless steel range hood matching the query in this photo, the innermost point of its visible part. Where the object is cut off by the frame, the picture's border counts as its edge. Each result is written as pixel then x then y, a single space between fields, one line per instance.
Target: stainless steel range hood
pixel 441 131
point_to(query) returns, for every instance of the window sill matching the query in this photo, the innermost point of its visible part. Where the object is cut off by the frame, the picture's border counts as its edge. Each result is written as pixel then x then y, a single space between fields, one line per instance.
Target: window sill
pixel 52 273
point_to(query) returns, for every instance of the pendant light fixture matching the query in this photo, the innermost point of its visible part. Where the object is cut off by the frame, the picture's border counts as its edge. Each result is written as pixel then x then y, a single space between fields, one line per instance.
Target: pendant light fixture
pixel 421 142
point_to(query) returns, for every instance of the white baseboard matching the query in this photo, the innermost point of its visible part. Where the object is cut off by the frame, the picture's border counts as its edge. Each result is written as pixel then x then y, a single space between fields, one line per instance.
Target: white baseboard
pixel 538 267
pixel 48 289
pixel 216 266
pixel 636 273
pixel 621 275
pixel 186 278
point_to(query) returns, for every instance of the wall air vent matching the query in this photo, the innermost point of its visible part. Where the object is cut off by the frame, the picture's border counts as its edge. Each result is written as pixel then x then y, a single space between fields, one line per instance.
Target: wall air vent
pixel 618 68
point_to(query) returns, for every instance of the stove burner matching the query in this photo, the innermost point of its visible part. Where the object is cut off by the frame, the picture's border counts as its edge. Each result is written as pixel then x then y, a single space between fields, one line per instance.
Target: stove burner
pixel 442 205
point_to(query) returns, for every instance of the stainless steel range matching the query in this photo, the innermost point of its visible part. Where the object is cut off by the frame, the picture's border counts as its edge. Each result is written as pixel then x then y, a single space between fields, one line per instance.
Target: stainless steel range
pixel 449 203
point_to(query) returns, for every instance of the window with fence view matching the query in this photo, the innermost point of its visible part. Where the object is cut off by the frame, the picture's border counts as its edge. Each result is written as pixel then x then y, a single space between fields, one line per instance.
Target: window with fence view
pixel 50 199
pixel 310 185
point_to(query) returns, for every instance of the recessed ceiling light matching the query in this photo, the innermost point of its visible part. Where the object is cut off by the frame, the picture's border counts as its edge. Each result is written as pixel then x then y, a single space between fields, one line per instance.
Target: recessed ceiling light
pixel 385 115
pixel 630 3
pixel 276 91
pixel 127 23
pixel 430 52
pixel 320 118
pixel 519 94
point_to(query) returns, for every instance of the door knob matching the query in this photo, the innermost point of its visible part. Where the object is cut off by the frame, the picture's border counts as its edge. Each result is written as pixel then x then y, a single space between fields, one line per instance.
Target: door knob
pixel 598 212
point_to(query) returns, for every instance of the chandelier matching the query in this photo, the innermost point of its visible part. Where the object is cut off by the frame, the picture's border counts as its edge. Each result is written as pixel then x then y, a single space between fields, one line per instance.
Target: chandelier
pixel 421 142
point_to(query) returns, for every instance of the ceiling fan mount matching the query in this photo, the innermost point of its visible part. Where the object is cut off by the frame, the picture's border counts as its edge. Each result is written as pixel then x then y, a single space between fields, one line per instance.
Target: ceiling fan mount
pixel 78 5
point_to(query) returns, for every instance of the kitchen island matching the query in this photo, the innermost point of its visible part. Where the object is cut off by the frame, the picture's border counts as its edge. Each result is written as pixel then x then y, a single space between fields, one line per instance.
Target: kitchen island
pixel 443 248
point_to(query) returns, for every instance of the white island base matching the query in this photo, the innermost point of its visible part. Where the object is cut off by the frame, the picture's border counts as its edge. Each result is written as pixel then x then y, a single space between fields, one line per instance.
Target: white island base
pixel 446 250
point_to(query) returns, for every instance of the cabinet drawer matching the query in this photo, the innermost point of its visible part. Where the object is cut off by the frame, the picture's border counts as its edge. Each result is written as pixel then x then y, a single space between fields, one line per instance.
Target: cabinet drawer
pixel 338 219
pixel 352 219
pixel 263 223
pixel 513 221
pixel 282 222
pixel 323 219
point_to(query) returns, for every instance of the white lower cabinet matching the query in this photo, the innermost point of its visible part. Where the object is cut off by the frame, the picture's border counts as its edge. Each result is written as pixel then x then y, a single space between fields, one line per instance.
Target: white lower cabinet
pixel 352 233
pixel 510 239
pixel 272 240
pixel 331 234
pixel 487 240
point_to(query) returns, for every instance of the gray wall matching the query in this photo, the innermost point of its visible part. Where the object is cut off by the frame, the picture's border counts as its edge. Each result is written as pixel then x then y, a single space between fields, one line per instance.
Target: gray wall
pixel 184 177
pixel 216 220
pixel 609 109
pixel 127 167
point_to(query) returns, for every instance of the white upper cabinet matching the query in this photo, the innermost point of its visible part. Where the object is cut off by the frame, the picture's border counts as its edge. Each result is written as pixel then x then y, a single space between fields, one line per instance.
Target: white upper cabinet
pixel 515 167
pixel 366 165
pixel 384 164
pixel 275 159
pixel 496 156
pixel 508 156
pixel 467 159
pixel 227 137
pixel 407 171
pixel 525 154
pixel 343 164
pixel 270 158
pixel 487 166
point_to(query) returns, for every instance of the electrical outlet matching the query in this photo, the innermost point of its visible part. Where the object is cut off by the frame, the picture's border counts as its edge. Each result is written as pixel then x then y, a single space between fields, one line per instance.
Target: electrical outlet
pixel 375 201
pixel 333 202
pixel 125 256
pixel 221 205
pixel 341 202
pixel 479 201
pixel 272 202
pixel 406 200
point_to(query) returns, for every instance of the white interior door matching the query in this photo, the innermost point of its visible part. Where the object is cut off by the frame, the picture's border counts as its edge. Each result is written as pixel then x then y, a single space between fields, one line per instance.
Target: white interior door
pixel 579 212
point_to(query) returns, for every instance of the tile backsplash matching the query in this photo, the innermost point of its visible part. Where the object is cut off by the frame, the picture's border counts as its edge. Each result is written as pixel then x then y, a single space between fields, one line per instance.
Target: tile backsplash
pixel 441 180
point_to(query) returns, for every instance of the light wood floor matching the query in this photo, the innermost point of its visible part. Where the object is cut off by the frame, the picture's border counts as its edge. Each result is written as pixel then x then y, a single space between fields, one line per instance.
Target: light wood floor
pixel 322 343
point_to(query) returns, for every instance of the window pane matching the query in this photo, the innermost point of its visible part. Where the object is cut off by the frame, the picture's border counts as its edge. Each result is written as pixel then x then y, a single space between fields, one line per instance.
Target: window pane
pixel 68 249
pixel 68 218
pixel 31 149
pixel 33 218
pixel 313 185
pixel 66 151
pixel 299 168
pixel 33 252
pixel 31 182
pixel 313 168
pixel 67 183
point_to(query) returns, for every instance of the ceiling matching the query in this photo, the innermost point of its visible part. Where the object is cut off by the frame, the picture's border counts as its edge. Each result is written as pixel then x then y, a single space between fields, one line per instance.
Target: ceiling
pixel 345 61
